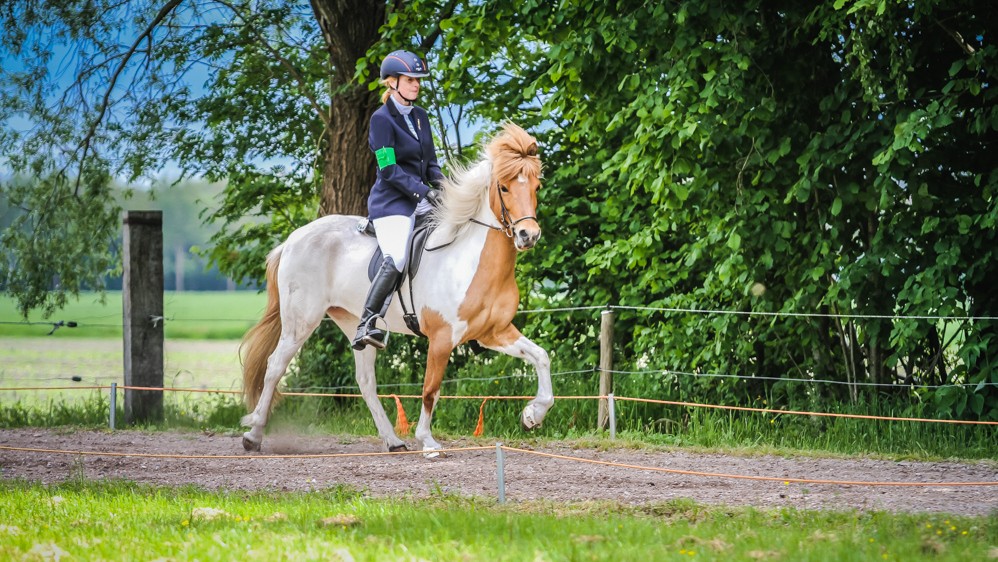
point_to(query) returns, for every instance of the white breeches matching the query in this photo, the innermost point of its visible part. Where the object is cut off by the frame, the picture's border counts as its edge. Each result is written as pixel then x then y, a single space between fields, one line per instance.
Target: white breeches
pixel 393 237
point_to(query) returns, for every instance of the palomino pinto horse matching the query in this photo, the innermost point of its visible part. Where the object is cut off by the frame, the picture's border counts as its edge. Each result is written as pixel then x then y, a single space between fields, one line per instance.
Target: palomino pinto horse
pixel 464 291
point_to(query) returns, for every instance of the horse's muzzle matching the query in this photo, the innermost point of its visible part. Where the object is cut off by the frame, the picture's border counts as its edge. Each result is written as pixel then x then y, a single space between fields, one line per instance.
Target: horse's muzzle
pixel 525 238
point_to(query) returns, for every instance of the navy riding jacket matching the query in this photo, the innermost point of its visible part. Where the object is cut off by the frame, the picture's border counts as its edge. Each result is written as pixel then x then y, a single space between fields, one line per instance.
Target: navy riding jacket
pixel 407 165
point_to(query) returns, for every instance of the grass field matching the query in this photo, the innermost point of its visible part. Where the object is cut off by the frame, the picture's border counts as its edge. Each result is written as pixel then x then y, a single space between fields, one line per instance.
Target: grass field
pixel 189 315
pixel 82 362
pixel 82 520
pixel 202 338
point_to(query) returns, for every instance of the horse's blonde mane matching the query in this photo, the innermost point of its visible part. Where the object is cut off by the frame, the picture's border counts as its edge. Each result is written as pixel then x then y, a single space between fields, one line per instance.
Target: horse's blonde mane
pixel 510 153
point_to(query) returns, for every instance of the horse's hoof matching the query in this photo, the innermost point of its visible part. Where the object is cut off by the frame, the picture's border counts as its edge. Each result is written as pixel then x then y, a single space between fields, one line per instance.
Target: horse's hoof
pixel 431 454
pixel 527 422
pixel 398 448
pixel 250 445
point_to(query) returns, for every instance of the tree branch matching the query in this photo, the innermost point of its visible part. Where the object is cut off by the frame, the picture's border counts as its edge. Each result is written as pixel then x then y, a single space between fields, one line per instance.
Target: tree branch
pixel 431 38
pixel 964 46
pixel 147 33
pixel 287 64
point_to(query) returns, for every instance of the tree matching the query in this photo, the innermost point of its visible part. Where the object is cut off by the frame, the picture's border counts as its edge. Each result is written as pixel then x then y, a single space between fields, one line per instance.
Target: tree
pixel 282 117
pixel 781 157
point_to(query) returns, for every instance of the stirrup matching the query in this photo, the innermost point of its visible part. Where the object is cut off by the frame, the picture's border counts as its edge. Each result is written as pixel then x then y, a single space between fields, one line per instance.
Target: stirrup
pixel 368 334
pixel 375 338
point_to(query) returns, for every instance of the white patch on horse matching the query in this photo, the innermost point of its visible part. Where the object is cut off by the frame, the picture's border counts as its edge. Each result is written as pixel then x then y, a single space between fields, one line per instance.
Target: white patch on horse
pixel 438 292
pixel 521 178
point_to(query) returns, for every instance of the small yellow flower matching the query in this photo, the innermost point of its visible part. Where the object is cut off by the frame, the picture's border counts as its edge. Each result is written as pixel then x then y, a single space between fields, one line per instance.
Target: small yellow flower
pixel 786 483
pixel 939 532
pixel 871 540
pixel 928 525
pixel 964 533
pixel 185 523
pixel 682 551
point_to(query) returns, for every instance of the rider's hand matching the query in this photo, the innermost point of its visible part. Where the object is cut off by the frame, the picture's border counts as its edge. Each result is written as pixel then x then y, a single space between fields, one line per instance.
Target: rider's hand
pixel 434 197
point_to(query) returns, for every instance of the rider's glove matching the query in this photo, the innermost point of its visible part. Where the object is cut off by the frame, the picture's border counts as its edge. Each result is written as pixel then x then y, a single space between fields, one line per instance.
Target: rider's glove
pixel 434 197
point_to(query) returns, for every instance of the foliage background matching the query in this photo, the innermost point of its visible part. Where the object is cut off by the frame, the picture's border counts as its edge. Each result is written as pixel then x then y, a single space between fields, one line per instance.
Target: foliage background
pixel 771 158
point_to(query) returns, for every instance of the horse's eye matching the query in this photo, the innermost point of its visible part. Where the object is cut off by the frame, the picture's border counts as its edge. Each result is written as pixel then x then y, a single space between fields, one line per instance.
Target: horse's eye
pixel 504 188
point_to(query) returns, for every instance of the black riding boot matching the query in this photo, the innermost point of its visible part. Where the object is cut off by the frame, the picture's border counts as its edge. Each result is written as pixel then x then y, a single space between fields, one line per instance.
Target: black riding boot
pixel 375 307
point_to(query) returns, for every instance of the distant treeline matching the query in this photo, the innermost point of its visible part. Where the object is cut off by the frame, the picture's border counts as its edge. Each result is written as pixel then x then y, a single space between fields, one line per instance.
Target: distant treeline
pixel 184 234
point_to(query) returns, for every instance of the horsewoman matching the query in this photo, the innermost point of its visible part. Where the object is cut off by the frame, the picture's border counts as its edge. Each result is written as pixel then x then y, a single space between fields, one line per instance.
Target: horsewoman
pixel 408 180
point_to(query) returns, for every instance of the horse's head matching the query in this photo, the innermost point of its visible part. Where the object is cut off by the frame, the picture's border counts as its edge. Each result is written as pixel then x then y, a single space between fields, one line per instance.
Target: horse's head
pixel 516 177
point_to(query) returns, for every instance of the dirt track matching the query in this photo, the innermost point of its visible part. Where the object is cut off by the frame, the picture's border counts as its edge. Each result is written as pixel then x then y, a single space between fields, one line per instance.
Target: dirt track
pixel 528 477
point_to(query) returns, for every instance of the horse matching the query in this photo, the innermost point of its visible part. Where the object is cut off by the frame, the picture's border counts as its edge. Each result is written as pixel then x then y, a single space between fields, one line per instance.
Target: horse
pixel 465 289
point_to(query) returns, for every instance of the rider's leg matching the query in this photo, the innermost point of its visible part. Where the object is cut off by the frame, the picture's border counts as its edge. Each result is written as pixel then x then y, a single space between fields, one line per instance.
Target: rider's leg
pixel 393 237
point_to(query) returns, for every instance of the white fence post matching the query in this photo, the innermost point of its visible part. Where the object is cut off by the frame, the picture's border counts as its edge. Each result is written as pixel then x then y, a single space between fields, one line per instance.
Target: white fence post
pixel 605 365
pixel 114 403
pixel 613 416
pixel 500 472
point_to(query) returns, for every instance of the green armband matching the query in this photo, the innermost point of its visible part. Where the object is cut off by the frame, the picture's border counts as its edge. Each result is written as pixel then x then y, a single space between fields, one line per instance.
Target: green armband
pixel 386 157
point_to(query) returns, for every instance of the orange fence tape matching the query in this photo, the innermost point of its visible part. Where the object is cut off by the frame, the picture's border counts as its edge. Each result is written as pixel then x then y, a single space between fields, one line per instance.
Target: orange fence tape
pixel 396 397
pixel 244 456
pixel 401 422
pixel 801 413
pixel 515 450
pixel 480 426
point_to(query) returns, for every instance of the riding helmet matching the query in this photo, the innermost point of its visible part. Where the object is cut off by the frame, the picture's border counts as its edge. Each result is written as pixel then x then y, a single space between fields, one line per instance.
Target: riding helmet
pixel 405 63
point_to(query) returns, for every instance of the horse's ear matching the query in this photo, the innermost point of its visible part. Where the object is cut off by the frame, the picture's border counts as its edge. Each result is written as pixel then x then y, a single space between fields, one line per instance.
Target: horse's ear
pixel 532 149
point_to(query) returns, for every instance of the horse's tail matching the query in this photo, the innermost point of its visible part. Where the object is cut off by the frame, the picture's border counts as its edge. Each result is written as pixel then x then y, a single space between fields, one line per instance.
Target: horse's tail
pixel 261 340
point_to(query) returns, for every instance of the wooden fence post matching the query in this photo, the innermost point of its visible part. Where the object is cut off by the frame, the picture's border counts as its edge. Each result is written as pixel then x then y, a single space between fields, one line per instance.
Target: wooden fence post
pixel 605 365
pixel 142 304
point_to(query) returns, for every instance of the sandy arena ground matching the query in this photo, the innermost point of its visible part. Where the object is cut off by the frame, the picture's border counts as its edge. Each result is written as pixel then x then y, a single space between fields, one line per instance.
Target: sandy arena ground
pixel 528 476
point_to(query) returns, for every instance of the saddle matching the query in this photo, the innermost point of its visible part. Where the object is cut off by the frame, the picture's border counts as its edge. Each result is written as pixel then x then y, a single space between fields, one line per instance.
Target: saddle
pixel 417 245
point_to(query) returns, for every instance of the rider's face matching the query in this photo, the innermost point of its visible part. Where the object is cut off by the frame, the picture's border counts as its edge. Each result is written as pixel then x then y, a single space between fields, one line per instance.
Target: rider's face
pixel 408 87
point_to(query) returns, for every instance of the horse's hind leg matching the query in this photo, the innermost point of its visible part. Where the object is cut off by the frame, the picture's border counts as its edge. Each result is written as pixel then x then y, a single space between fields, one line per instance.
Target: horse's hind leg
pixel 289 344
pixel 364 361
pixel 367 380
pixel 513 343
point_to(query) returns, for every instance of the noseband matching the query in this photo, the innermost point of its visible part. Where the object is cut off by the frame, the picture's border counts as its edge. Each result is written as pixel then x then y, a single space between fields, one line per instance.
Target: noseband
pixel 506 220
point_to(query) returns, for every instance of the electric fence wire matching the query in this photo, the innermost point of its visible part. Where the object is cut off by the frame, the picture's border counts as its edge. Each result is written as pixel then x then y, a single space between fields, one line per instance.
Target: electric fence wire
pixel 598 307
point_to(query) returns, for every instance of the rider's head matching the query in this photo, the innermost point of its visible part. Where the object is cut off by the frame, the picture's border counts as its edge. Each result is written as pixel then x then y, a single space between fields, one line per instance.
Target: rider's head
pixel 400 73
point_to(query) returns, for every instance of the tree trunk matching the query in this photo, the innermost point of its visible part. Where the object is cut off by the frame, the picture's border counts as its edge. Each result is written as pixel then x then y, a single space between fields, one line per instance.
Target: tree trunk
pixel 348 168
pixel 349 28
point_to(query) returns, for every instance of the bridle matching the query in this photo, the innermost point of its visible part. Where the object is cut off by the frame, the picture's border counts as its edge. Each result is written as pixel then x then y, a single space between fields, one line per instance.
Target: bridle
pixel 505 219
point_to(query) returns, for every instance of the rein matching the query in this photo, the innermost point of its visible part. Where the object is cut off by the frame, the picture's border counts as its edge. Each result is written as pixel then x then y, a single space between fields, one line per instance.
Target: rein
pixel 506 219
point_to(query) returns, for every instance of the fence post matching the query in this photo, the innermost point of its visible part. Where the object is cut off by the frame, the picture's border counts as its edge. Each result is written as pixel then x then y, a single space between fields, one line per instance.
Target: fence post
pixel 114 403
pixel 500 473
pixel 613 416
pixel 142 311
pixel 605 365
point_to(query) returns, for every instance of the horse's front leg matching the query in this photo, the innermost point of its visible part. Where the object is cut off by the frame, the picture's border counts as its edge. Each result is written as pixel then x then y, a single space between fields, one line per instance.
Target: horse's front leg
pixel 438 355
pixel 513 343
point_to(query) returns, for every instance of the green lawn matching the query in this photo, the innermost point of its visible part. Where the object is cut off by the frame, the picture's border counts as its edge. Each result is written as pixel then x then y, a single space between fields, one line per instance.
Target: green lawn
pixel 189 315
pixel 83 520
